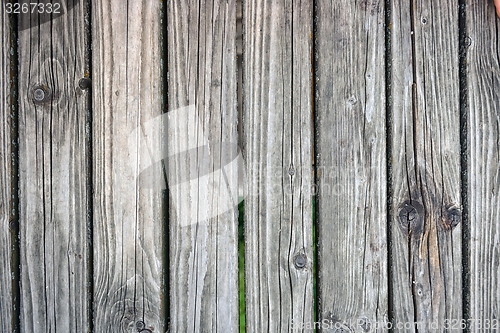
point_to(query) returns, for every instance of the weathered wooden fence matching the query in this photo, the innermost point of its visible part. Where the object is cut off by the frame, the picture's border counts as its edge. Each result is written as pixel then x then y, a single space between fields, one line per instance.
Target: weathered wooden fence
pixel 362 136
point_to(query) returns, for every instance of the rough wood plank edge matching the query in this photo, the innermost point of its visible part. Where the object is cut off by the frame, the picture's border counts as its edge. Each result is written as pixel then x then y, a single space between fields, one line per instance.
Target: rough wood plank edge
pixel 6 205
pixel 483 81
pixel 127 98
pixel 52 170
pixel 426 212
pixel 351 171
pixel 278 141
pixel 203 181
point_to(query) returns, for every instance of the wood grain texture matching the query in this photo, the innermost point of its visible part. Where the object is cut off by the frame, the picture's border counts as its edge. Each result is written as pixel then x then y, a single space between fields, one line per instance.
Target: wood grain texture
pixel 6 319
pixel 202 170
pixel 351 172
pixel 128 219
pixel 53 166
pixel 426 181
pixel 483 77
pixel 278 141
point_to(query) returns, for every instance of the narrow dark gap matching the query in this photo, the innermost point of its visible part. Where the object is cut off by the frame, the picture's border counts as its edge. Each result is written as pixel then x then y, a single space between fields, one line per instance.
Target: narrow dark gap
pixel 14 218
pixel 241 206
pixel 462 56
pixel 165 259
pixel 165 193
pixel 316 262
pixel 388 131
pixel 90 176
pixel 241 266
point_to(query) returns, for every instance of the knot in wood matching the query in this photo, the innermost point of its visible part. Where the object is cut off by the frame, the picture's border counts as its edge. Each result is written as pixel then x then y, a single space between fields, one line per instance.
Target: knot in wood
pixel 140 326
pixel 410 216
pixel 451 218
pixel 84 83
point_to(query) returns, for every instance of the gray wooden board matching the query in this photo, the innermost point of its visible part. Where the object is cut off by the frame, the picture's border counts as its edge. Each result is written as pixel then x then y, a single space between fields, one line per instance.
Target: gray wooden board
pixel 202 169
pixel 483 77
pixel 128 220
pixel 351 165
pixel 6 319
pixel 426 182
pixel 277 146
pixel 53 153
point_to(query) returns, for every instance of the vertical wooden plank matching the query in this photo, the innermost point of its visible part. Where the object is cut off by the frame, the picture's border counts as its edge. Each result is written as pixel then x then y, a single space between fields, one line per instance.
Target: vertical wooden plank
pixel 202 165
pixel 6 52
pixel 351 143
pixel 278 141
pixel 53 155
pixel 483 77
pixel 126 95
pixel 426 205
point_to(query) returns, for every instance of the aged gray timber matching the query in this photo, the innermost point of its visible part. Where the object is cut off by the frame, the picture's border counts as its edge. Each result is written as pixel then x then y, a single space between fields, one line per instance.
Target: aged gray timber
pixel 6 319
pixel 278 141
pixel 202 173
pixel 483 77
pixel 128 219
pixel 351 172
pixel 53 165
pixel 426 204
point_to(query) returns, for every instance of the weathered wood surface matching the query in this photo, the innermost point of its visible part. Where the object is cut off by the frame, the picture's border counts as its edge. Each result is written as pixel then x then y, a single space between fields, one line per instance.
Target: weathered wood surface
pixel 378 259
pixel 128 220
pixel 426 181
pixel 53 165
pixel 351 164
pixel 202 171
pixel 277 145
pixel 6 319
pixel 483 77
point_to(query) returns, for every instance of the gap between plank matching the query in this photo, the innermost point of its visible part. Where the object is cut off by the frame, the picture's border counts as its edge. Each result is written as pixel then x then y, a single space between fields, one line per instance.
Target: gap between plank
pixel 90 178
pixel 462 61
pixel 388 131
pixel 315 161
pixel 14 223
pixel 165 194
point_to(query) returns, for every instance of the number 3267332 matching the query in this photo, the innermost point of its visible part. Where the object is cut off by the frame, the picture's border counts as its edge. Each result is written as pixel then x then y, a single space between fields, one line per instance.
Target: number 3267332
pixel 33 8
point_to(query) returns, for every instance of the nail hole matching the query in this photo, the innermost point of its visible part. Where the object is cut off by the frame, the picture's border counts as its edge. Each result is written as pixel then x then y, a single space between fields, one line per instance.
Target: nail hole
pixel 40 94
pixel 468 41
pixel 300 261
pixel 352 100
